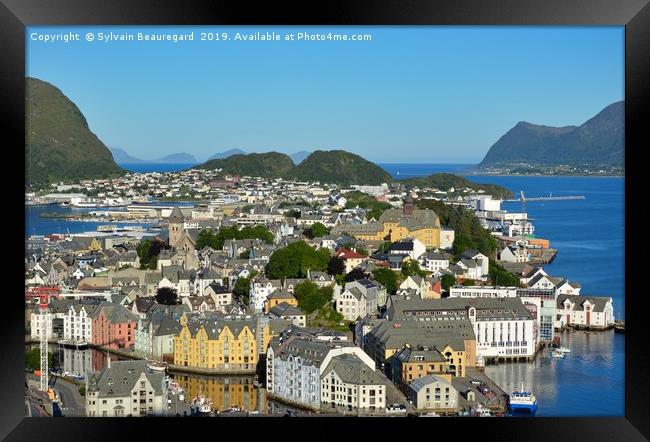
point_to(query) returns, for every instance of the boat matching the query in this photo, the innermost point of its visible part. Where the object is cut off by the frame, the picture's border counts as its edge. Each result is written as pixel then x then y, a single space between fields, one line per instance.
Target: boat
pixel 482 411
pixel 157 366
pixel 557 354
pixel 523 400
pixel 201 406
pixel 563 350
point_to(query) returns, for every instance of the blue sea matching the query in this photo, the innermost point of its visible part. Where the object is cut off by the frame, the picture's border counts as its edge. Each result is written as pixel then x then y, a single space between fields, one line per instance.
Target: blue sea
pixel 589 235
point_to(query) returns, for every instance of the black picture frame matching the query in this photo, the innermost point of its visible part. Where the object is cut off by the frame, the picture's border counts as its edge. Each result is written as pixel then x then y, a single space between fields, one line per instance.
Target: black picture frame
pixel 633 14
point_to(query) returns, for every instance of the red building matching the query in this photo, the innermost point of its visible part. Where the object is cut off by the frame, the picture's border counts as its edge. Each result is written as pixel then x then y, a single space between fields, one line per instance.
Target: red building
pixel 113 326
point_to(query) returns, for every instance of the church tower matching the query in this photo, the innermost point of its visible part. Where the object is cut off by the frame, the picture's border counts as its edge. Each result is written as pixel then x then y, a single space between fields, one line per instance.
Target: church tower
pixel 408 206
pixel 175 226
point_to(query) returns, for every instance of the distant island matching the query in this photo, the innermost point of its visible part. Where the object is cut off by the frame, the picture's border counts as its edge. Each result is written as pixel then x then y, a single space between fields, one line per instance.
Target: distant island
pixel 596 147
pixel 121 157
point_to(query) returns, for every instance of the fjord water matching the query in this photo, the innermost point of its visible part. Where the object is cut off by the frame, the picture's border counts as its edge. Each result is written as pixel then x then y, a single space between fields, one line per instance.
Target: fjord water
pixel 589 235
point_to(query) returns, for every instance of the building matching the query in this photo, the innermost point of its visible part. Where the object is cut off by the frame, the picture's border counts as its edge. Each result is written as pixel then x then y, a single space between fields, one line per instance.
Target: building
pixel 479 291
pixel 278 297
pixel 294 366
pixel 350 258
pixel 434 261
pixel 126 388
pixel 414 248
pixel 433 392
pixel 260 289
pixel 217 344
pixel 113 326
pixel 453 337
pixel 289 312
pixel 78 323
pixel 351 303
pixel 504 328
pixel 395 224
pixel 350 383
pixel 595 312
pixel 411 363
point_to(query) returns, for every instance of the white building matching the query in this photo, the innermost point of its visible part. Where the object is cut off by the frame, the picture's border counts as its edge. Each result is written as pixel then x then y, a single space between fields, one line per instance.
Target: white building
pixel 584 311
pixel 260 288
pixel 447 237
pixel 479 291
pixel 434 262
pixel 126 388
pixel 351 303
pixel 77 323
pixel 433 393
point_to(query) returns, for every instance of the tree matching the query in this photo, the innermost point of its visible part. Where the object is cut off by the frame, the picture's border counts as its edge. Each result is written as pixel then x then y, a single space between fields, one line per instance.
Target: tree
pixel 387 278
pixel 336 266
pixel 294 260
pixel 311 297
pixel 317 229
pixel 148 254
pixel 242 287
pixel 33 359
pixel 447 281
pixel 166 296
pixel 411 267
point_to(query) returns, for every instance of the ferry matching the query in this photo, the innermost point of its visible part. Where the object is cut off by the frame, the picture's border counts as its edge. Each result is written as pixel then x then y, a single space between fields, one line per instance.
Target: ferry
pixel 201 406
pixel 523 400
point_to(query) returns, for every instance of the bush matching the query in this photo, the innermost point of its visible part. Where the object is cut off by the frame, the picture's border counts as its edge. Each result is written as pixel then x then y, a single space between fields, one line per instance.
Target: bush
pixel 82 390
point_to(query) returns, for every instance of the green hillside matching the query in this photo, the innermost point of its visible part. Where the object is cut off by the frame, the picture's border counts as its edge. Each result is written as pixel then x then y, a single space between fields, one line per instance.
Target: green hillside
pixel 340 167
pixel 267 165
pixel 59 144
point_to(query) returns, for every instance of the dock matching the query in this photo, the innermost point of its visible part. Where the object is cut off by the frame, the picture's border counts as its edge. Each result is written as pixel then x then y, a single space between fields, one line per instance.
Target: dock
pixel 547 198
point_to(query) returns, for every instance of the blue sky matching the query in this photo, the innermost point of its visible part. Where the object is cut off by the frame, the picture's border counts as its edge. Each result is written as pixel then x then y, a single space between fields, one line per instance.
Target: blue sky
pixel 410 95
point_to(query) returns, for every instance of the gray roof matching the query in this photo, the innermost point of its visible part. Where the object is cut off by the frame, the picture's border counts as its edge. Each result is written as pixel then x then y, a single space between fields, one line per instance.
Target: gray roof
pixel 120 379
pixel 352 370
pixel 433 334
pixel 213 327
pixel 311 351
pixel 599 302
pixel 285 309
pixel 486 308
pixel 419 354
pixel 419 383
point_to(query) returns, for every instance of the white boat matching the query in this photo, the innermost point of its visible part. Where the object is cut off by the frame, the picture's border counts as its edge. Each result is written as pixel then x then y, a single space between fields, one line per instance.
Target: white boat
pixel 557 354
pixel 156 366
pixel 201 406
pixel 563 350
pixel 523 400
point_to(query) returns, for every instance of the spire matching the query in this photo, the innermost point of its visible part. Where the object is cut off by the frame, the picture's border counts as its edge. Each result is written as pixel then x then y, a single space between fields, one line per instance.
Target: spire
pixel 176 217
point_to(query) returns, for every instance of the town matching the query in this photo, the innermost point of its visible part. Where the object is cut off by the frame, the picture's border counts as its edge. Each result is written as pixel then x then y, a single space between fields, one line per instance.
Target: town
pixel 356 300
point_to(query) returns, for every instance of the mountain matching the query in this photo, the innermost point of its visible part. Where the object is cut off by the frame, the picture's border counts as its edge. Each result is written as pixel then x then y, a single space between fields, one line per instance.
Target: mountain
pixel 121 157
pixel 180 158
pixel 59 143
pixel 226 154
pixel 268 165
pixel 340 167
pixel 300 156
pixel 599 141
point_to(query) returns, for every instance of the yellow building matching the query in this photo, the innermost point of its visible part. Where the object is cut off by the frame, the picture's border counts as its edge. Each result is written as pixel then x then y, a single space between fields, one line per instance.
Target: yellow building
pixel 217 345
pixel 397 224
pixel 278 297
pixel 412 363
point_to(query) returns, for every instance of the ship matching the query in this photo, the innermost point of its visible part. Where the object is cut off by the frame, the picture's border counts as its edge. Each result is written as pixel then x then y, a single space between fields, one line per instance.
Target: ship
pixel 201 406
pixel 523 400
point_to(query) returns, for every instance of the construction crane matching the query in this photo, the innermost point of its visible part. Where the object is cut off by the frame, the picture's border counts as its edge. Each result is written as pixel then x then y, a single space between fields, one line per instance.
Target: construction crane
pixel 523 218
pixel 43 293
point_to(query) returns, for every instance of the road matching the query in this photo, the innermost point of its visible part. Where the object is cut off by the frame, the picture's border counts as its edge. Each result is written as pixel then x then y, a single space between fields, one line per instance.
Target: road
pixel 72 403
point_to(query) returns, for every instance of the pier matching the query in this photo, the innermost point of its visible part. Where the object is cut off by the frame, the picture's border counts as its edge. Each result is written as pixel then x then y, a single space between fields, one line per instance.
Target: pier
pixel 547 198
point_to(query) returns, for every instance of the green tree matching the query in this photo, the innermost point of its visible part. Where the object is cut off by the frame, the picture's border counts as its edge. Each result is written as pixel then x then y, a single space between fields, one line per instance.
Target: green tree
pixel 502 277
pixel 411 267
pixel 447 281
pixel 166 296
pixel 336 266
pixel 143 253
pixel 387 278
pixel 294 260
pixel 242 287
pixel 310 297
pixel 317 229
pixel 33 359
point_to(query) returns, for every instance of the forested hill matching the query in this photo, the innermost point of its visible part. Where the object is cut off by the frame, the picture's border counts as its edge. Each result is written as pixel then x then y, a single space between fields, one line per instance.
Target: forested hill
pixel 59 144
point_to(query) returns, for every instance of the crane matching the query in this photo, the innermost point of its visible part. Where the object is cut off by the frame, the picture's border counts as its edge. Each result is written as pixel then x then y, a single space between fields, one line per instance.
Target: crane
pixel 43 293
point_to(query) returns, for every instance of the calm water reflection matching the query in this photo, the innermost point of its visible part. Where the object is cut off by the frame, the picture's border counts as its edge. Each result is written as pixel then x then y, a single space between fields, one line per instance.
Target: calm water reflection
pixel 589 381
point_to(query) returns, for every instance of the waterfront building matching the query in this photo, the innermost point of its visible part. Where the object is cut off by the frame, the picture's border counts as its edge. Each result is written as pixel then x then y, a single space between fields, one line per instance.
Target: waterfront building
pixel 217 344
pixel 294 365
pixel 479 291
pixel 395 224
pixel 453 337
pixel 125 388
pixel 544 302
pixel 113 326
pixel 503 327
pixel 433 393
pixel 595 312
pixel 78 323
pixel 350 383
